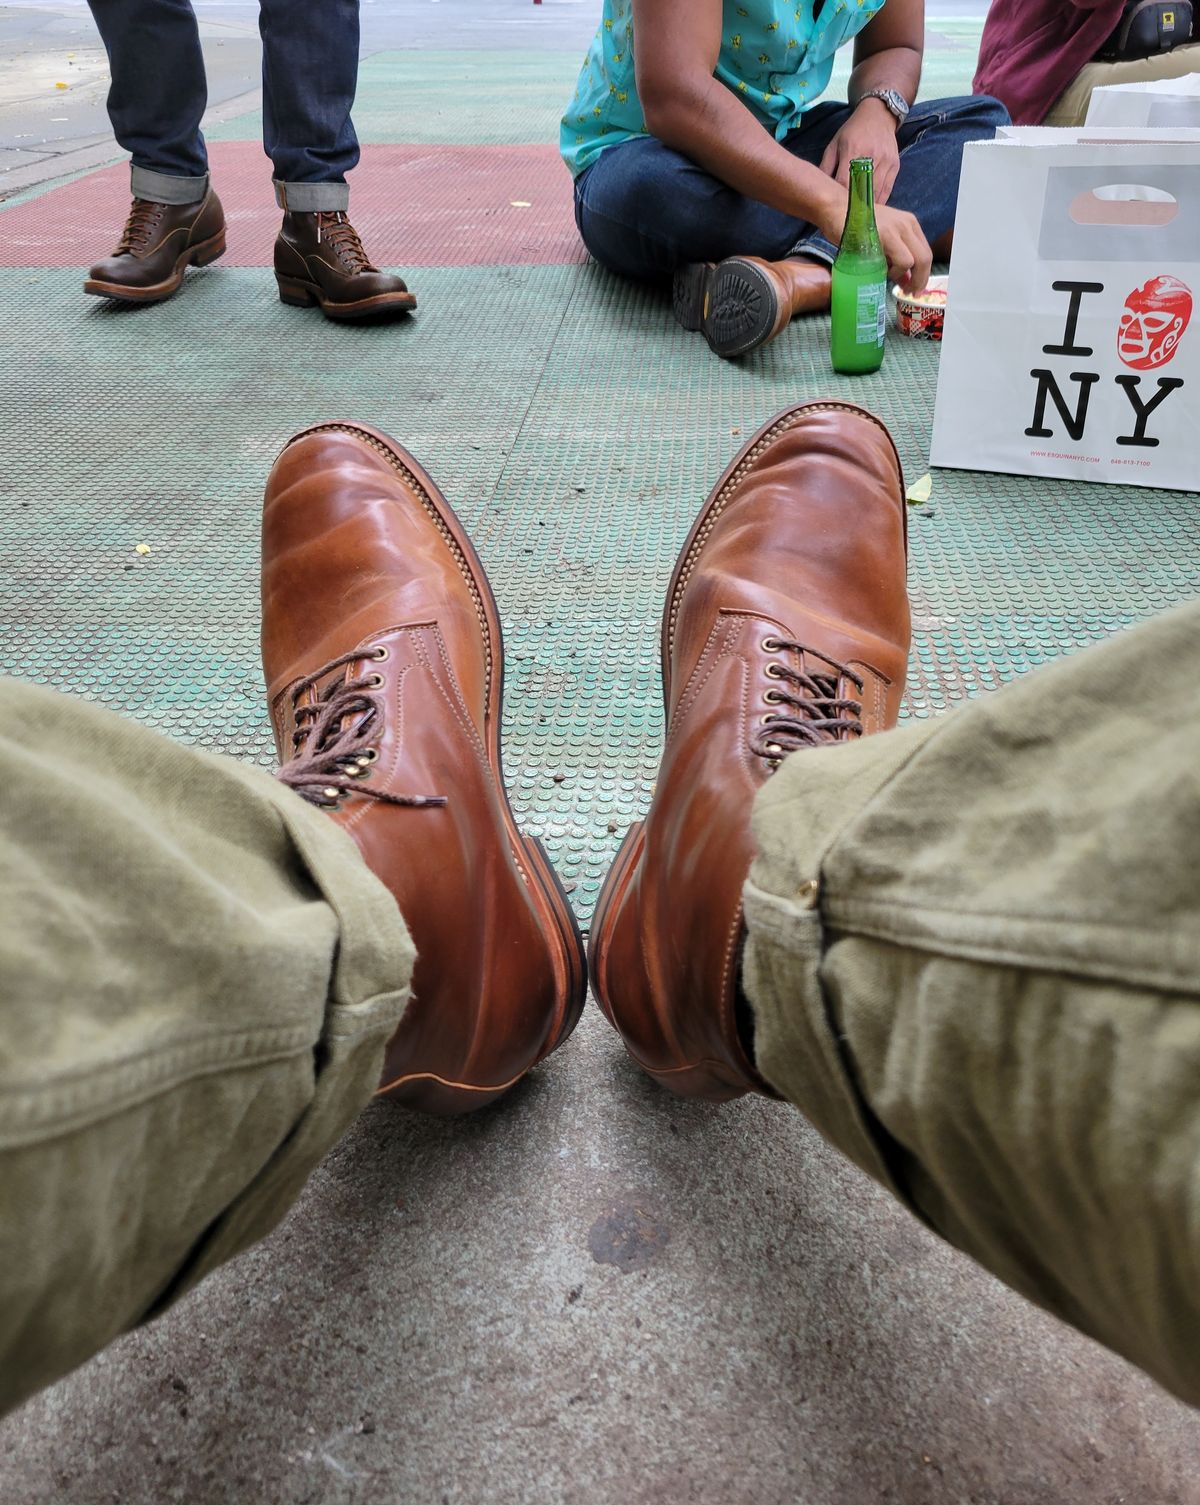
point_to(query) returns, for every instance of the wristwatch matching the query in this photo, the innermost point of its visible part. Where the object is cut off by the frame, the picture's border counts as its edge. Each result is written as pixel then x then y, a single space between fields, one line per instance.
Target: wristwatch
pixel 894 100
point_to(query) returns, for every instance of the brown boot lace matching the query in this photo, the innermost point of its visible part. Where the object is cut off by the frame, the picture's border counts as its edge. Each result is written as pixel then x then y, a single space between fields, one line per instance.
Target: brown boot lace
pixel 816 712
pixel 139 227
pixel 335 734
pixel 337 230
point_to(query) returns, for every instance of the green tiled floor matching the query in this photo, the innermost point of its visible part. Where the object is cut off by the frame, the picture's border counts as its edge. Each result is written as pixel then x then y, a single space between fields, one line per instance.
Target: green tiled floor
pixel 482 97
pixel 576 427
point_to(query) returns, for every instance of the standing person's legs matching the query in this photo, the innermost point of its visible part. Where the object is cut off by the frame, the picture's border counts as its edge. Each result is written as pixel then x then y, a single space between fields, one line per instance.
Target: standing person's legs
pixel 310 74
pixel 158 95
pixel 155 103
pixel 199 975
pixel 974 963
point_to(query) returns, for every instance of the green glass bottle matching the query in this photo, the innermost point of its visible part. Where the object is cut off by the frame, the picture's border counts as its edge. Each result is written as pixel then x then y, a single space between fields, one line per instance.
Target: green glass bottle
pixel 859 280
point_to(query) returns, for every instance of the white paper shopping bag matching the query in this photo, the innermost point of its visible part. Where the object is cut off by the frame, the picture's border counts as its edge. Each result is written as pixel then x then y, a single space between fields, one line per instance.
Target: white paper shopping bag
pixel 1071 346
pixel 1162 102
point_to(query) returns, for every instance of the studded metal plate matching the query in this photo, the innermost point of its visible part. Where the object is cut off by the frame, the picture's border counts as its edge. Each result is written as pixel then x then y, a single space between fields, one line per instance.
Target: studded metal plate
pixel 576 428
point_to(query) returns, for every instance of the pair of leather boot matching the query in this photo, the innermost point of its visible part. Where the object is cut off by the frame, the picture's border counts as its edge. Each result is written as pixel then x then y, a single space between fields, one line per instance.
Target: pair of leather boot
pixel 744 302
pixel 319 259
pixel 785 628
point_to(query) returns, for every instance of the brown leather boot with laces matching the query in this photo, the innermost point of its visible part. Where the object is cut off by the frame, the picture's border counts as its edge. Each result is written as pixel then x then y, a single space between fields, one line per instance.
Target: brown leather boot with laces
pixel 745 301
pixel 320 259
pixel 158 244
pixel 786 627
pixel 385 669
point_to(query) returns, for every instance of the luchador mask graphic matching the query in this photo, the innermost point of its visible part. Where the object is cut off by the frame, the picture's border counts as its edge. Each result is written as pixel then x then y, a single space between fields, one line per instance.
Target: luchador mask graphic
pixel 1153 323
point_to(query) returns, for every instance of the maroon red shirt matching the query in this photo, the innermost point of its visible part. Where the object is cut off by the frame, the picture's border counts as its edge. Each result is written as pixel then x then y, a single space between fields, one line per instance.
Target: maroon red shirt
pixel 1032 49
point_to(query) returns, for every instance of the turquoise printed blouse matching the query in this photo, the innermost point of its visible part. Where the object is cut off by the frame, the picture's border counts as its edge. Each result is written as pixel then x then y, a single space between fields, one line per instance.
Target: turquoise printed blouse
pixel 774 56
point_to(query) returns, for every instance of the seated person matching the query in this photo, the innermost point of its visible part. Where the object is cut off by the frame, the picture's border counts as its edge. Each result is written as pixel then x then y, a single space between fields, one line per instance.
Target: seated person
pixel 710 159
pixel 1040 58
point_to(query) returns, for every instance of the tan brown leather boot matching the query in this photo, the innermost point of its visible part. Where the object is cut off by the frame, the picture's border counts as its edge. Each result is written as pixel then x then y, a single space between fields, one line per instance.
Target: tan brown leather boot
pixel 786 627
pixel 744 301
pixel 384 667
pixel 158 244
pixel 320 259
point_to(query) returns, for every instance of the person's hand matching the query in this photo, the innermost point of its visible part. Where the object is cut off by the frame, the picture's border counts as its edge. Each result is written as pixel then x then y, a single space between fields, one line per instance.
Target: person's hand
pixel 870 132
pixel 908 255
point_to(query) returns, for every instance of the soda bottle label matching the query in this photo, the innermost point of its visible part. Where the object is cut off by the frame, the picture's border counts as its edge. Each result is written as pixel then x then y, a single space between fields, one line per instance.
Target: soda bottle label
pixel 871 320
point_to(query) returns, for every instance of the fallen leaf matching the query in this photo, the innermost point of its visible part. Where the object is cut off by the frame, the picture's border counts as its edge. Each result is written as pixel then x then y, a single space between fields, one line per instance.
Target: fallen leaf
pixel 141 548
pixel 920 491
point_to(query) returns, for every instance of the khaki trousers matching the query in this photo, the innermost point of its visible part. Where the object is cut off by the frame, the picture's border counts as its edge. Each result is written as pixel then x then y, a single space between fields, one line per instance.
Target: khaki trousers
pixel 197 978
pixel 1071 107
pixel 973 958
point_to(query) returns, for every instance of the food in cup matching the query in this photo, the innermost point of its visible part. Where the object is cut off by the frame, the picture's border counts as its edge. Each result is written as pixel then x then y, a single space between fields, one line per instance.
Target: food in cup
pixel 921 315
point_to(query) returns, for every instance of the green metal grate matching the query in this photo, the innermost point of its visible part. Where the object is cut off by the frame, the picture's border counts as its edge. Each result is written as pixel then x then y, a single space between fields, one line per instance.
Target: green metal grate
pixel 576 428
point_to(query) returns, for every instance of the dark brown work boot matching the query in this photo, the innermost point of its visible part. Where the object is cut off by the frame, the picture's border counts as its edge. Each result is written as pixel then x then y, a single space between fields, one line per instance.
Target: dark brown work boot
pixel 786 627
pixel 744 301
pixel 384 668
pixel 320 259
pixel 158 244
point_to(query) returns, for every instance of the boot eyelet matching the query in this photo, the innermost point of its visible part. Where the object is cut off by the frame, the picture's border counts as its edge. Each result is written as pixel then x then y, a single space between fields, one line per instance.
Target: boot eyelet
pixel 382 652
pixel 772 697
pixel 774 671
pixel 375 682
pixel 771 645
pixel 369 755
pixel 775 749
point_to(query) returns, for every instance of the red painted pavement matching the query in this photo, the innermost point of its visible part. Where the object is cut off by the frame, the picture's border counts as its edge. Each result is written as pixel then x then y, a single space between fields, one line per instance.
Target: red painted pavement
pixel 413 206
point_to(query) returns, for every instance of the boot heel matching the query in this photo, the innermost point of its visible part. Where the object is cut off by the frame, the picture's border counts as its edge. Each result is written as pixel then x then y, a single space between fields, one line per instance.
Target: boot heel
pixel 209 251
pixel 295 294
pixel 689 293
pixel 742 311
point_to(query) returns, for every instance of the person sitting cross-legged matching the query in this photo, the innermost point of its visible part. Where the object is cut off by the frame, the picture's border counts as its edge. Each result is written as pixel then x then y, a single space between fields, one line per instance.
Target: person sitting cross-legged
pixel 702 152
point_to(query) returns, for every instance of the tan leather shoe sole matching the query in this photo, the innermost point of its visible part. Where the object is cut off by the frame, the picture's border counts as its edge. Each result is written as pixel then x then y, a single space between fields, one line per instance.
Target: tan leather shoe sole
pixel 199 255
pixel 298 294
pixel 424 1090
pixel 704 1079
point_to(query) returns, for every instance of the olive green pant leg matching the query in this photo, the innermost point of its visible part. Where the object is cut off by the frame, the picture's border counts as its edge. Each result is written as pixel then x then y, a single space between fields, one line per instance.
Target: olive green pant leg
pixel 974 963
pixel 198 975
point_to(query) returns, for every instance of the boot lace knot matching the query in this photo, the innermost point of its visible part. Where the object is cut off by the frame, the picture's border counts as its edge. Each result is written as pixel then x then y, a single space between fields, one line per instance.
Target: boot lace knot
pixel 139 227
pixel 340 235
pixel 810 691
pixel 335 741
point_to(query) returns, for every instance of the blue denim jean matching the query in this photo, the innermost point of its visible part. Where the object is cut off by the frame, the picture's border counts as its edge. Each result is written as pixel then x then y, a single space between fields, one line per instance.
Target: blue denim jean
pixel 643 209
pixel 158 95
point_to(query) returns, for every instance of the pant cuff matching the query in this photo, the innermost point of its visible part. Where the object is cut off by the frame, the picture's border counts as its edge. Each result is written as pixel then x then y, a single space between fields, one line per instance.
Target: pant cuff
pixel 163 188
pixel 312 198
pixel 817 247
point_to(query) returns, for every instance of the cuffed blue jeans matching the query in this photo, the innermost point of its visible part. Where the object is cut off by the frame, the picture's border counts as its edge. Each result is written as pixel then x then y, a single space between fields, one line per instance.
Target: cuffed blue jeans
pixel 643 209
pixel 158 95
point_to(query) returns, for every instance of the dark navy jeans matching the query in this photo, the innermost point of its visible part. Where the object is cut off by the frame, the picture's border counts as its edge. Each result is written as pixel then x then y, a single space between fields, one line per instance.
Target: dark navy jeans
pixel 158 94
pixel 643 210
